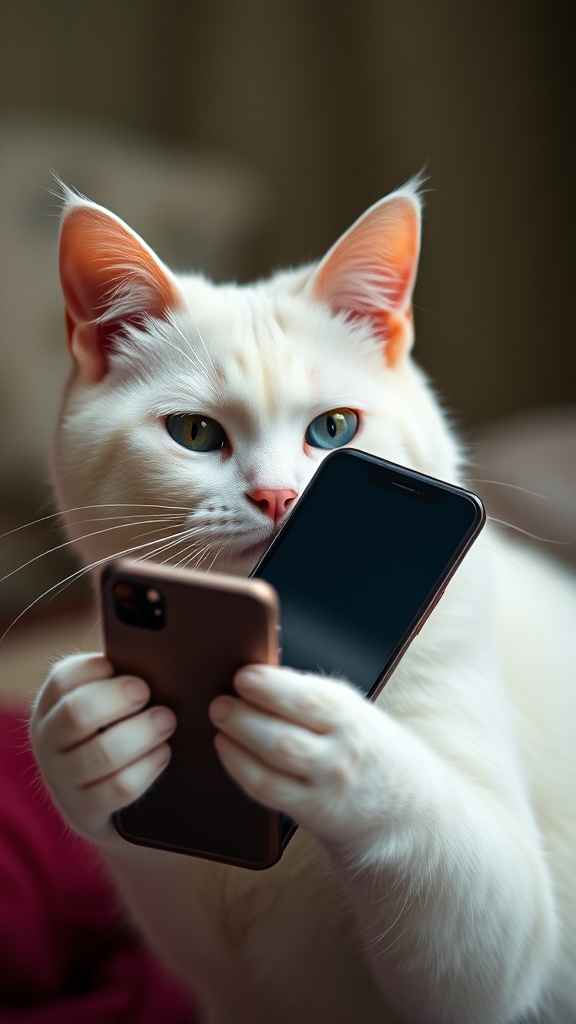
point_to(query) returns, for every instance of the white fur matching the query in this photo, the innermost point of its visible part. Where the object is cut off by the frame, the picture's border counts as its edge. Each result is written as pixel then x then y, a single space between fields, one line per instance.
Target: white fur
pixel 445 891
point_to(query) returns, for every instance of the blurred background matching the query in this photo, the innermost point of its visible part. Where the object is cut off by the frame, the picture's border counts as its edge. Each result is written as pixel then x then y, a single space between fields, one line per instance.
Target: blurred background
pixel 238 137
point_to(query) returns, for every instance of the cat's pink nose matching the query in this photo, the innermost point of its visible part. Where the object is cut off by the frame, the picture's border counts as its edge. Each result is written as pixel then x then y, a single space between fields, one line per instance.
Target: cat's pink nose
pixel 273 503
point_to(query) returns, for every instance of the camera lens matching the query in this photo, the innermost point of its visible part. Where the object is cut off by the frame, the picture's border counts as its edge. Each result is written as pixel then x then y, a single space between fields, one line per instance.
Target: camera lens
pixel 138 604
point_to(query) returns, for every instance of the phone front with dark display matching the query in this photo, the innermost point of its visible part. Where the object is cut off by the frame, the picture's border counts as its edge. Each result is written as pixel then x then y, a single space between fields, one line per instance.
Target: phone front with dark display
pixel 360 563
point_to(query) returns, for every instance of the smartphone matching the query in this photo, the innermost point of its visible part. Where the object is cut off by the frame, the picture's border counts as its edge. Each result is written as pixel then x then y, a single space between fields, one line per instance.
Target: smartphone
pixel 186 633
pixel 361 562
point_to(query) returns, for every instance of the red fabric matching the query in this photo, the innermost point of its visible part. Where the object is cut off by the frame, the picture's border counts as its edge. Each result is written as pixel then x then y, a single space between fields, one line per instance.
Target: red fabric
pixel 66 953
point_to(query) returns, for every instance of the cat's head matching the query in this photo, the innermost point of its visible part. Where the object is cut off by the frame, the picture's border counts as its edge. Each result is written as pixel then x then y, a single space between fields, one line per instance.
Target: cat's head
pixel 196 413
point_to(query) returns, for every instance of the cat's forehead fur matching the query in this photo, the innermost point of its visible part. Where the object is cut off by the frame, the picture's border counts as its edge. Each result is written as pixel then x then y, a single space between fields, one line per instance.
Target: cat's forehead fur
pixel 261 349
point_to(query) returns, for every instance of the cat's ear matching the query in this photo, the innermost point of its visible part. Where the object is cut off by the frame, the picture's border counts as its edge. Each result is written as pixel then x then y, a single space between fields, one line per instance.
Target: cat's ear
pixel 371 270
pixel 110 278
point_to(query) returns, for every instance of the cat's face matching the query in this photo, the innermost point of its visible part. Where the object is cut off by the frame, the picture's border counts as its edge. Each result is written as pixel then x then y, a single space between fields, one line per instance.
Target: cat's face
pixel 197 413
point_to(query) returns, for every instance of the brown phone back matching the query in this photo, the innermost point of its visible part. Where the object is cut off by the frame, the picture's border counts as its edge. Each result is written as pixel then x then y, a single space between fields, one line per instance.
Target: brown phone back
pixel 213 625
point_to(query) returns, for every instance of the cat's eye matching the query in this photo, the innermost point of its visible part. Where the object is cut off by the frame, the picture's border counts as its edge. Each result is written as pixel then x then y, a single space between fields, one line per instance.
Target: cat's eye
pixel 332 429
pixel 197 432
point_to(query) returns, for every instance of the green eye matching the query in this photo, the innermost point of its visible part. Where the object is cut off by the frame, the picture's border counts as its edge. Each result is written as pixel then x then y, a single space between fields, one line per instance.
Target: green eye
pixel 196 432
pixel 332 429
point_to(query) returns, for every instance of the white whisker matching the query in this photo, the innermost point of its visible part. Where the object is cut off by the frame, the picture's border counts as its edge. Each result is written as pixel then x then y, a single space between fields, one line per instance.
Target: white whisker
pixel 200 556
pixel 86 508
pixel 187 554
pixel 513 487
pixel 68 543
pixel 194 362
pixel 57 588
pixel 201 339
pixel 219 553
pixel 526 533
pixel 167 545
pixel 195 354
pixel 61 583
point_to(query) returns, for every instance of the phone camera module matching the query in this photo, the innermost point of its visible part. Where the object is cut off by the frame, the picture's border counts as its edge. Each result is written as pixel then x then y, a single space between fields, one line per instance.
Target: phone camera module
pixel 138 604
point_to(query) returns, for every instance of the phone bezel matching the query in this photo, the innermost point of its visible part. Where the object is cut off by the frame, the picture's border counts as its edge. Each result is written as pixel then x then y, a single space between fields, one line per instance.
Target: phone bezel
pixel 424 488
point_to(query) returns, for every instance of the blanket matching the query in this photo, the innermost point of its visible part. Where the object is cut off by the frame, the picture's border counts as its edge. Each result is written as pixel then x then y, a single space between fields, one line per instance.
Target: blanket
pixel 67 952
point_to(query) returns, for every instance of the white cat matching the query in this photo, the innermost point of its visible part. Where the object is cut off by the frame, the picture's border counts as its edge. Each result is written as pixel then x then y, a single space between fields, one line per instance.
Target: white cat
pixel 432 879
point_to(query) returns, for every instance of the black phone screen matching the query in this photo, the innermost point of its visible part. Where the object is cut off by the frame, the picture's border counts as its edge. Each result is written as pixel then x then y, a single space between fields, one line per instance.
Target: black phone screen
pixel 357 563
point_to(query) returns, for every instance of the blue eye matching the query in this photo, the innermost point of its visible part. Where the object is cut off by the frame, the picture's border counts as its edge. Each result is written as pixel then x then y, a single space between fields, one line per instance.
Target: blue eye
pixel 197 432
pixel 332 429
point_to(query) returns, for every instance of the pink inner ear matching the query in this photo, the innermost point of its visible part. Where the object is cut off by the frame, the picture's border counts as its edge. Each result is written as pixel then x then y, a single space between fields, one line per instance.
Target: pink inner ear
pixel 103 262
pixel 370 272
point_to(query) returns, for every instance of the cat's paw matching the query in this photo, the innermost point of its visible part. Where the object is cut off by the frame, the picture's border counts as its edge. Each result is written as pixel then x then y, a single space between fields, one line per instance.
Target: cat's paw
pixel 303 744
pixel 97 744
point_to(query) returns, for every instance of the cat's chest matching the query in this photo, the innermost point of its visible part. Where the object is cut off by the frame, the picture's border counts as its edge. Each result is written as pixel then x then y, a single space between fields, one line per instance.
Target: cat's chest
pixel 290 922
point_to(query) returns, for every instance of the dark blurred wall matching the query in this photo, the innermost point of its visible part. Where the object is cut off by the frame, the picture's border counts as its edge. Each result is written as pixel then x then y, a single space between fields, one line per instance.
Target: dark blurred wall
pixel 336 103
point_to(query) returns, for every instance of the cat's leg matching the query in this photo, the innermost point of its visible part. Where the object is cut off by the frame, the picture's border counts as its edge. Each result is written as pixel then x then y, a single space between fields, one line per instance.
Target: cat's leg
pixel 99 748
pixel 443 867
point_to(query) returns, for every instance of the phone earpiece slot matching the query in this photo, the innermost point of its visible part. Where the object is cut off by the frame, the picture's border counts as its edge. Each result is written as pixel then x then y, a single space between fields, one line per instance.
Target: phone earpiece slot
pixel 417 491
pixel 404 487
